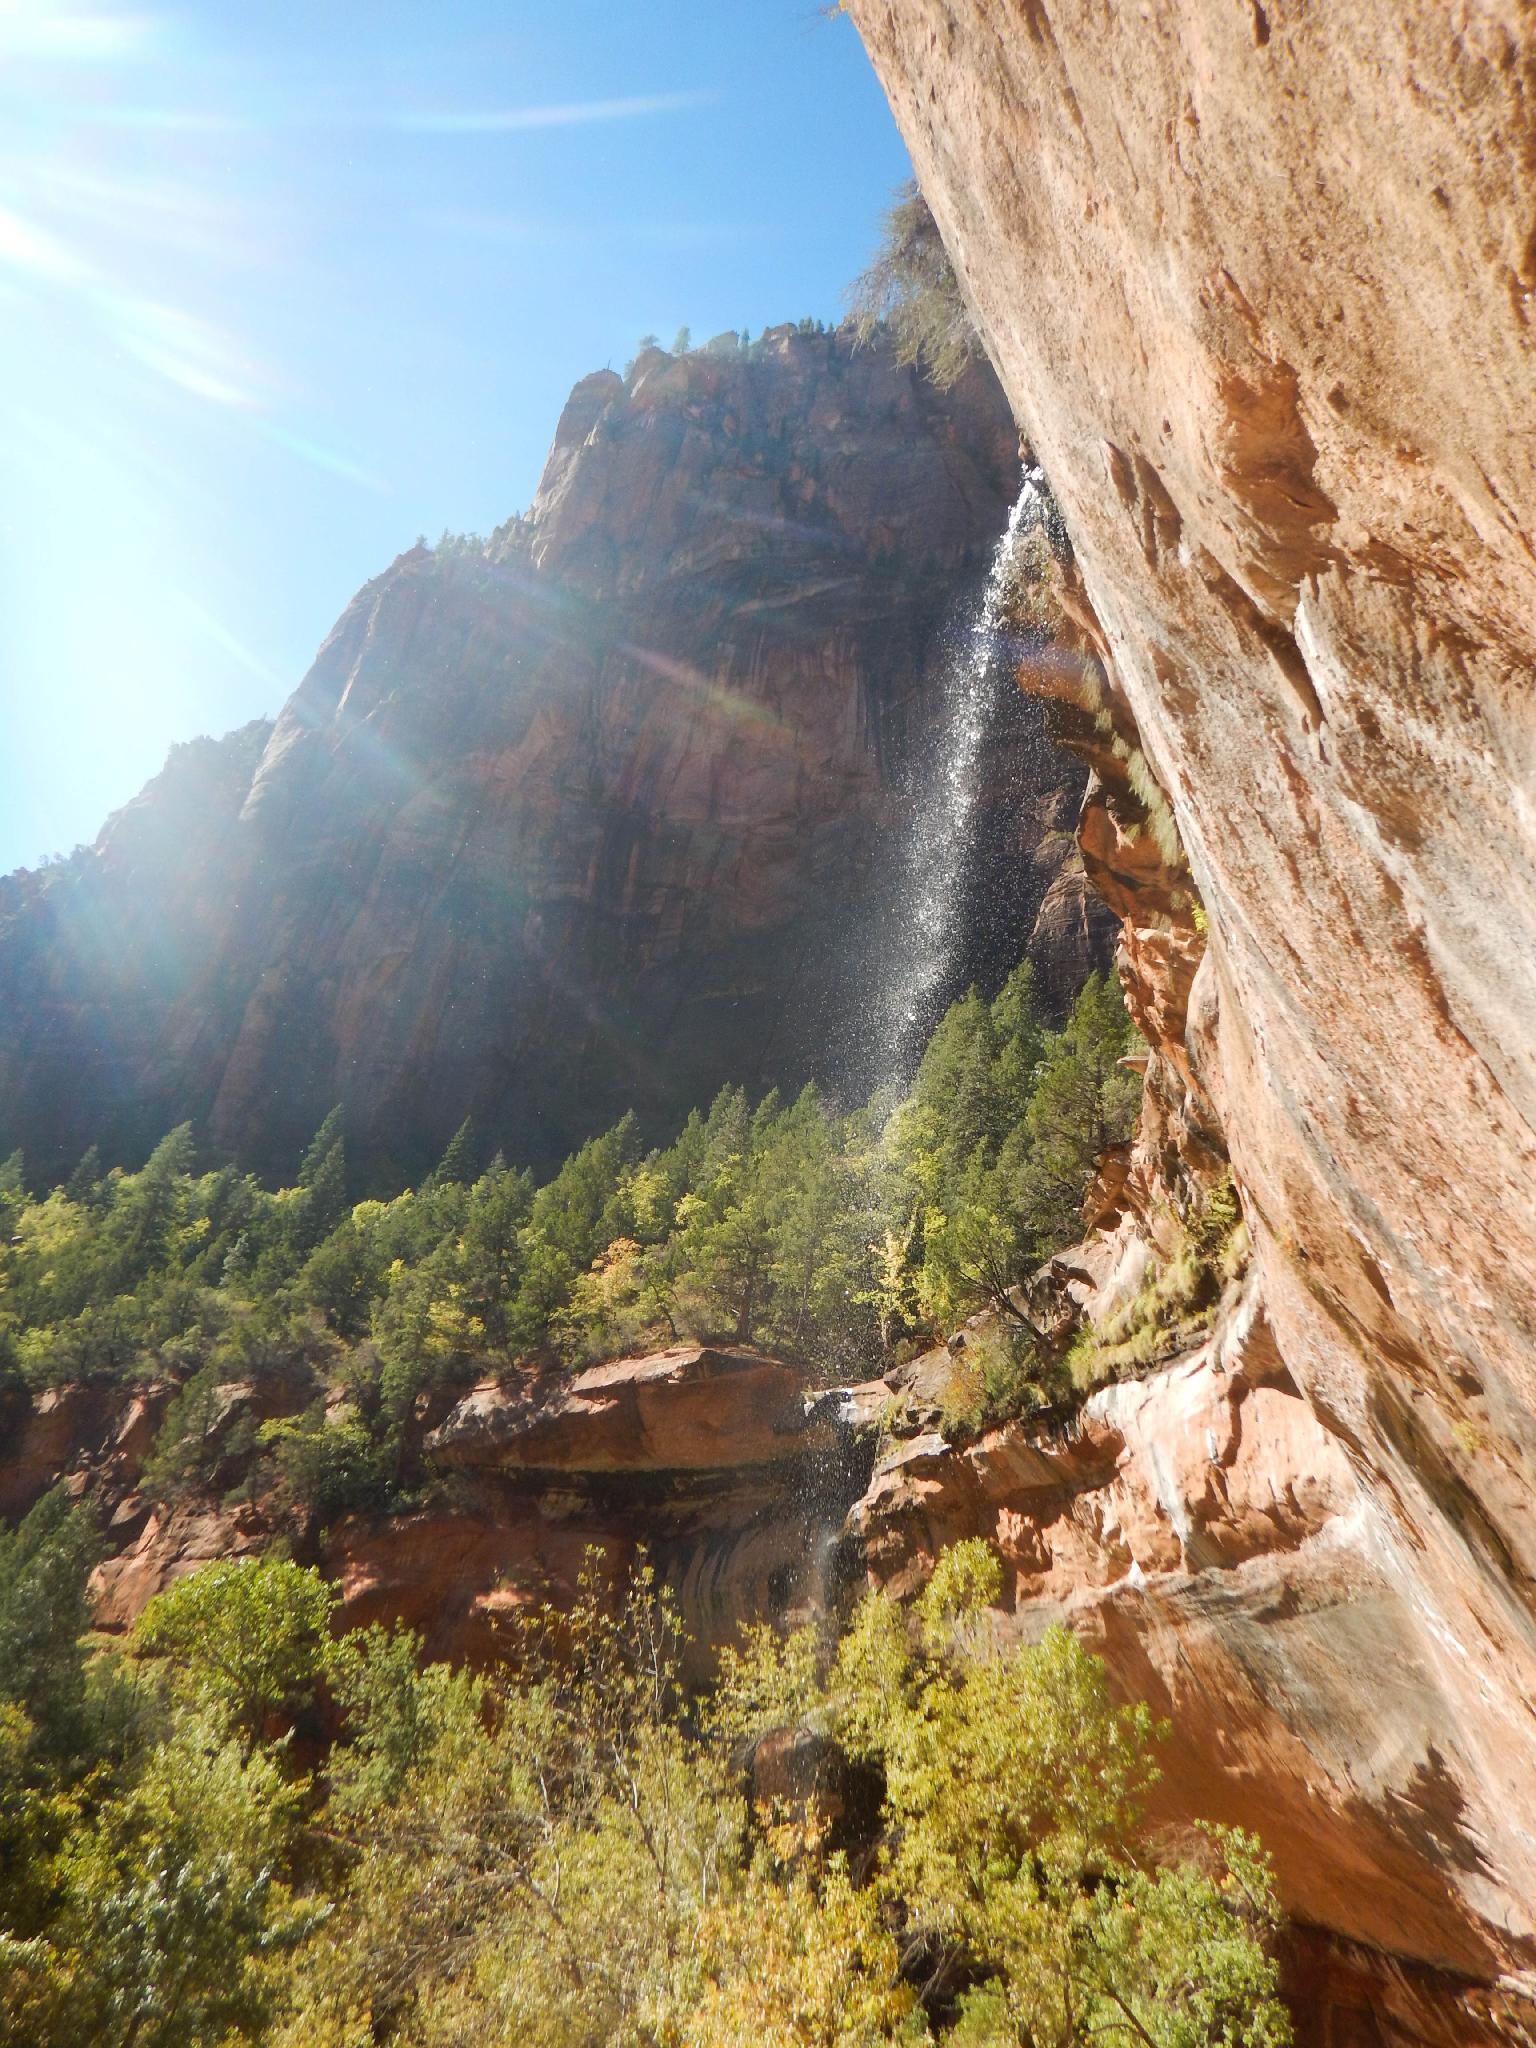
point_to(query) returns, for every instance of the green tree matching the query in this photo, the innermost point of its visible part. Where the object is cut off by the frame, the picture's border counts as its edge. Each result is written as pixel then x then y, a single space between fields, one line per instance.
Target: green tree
pixel 1083 1102
pixel 541 1871
pixel 331 1465
pixel 45 1562
pixel 173 1902
pixel 492 1248
pixel 323 1182
pixel 910 286
pixel 247 1639
pixel 344 1276
pixel 1014 1855
pixel 138 1232
pixel 456 1168
pixel 1015 1787
pixel 191 1443
pixel 83 1182
pixel 13 1193
pixel 396 1715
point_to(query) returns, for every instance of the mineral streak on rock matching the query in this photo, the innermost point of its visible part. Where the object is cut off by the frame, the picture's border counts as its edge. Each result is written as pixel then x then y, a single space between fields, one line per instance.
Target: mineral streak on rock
pixel 1260 283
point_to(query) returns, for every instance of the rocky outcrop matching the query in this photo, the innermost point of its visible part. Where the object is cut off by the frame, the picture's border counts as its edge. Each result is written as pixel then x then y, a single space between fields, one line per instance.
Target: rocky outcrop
pixel 1259 282
pixel 601 814
pixel 726 1469
pixel 691 1409
pixel 1209 1536
pixel 88 1437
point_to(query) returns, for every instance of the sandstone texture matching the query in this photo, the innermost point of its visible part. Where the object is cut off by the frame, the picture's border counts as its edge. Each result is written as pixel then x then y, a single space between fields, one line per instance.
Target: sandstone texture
pixel 1260 283
pixel 1207 1534
pixel 94 1437
pixel 728 1470
pixel 601 814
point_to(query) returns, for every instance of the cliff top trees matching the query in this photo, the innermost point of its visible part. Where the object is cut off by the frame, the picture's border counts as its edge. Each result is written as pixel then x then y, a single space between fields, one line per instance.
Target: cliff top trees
pixel 910 285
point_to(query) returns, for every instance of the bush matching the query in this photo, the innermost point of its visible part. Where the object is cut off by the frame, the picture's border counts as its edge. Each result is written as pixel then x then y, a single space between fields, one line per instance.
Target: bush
pixel 998 1373
pixel 328 1465
pixel 1173 1307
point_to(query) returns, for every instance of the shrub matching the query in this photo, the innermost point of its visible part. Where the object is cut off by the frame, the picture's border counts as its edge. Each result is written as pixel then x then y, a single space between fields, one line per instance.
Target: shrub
pixel 1172 1309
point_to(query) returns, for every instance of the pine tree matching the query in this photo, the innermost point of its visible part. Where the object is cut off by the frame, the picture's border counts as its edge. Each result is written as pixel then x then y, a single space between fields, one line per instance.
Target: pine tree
pixel 456 1168
pixel 137 1233
pixel 329 1134
pixel 81 1185
pixel 323 1176
pixel 13 1193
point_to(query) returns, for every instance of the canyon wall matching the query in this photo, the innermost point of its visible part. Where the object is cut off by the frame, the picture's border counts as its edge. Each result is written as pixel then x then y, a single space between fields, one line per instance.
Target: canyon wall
pixel 601 814
pixel 1260 283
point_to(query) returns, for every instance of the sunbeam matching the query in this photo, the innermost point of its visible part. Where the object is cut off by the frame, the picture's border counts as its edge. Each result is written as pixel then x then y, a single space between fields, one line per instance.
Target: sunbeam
pixel 284 288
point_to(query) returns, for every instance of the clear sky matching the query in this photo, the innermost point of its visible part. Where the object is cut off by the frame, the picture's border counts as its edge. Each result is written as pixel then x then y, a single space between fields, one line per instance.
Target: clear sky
pixel 284 284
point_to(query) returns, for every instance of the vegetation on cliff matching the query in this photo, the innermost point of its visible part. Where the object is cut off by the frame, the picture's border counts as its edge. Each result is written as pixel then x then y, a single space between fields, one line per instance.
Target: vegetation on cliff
pixel 911 289
pixel 241 1830
pixel 834 1239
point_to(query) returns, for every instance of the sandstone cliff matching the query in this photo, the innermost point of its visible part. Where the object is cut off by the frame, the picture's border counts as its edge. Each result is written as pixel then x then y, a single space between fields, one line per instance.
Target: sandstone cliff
pixel 602 814
pixel 1259 281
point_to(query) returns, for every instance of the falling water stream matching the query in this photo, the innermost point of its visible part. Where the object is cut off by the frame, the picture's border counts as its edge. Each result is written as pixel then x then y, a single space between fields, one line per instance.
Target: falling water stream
pixel 973 676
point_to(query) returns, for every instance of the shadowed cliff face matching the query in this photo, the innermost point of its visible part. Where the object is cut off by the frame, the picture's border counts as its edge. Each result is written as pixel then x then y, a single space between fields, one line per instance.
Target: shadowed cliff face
pixel 601 816
pixel 1259 282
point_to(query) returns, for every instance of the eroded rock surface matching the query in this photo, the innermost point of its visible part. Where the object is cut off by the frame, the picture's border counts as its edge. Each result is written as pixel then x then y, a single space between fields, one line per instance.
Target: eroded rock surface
pixel 1208 1535
pixel 1259 282
pixel 728 1470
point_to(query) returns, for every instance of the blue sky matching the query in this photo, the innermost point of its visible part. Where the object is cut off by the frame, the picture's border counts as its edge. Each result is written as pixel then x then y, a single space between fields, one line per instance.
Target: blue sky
pixel 282 286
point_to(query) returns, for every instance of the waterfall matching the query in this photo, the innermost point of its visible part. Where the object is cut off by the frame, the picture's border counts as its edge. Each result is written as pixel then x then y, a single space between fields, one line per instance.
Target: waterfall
pixel 972 678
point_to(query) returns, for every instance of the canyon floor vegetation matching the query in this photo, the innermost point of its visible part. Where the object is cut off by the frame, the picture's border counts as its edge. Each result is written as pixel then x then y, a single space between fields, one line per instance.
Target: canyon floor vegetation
pixel 235 1828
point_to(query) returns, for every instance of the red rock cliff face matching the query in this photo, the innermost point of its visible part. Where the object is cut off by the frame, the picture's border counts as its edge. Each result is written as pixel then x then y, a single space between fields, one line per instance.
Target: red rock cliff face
pixel 1260 282
pixel 603 815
